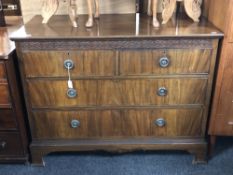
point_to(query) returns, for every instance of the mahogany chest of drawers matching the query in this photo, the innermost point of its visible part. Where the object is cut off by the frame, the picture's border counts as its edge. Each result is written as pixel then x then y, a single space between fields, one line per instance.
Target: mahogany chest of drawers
pixel 109 88
pixel 13 136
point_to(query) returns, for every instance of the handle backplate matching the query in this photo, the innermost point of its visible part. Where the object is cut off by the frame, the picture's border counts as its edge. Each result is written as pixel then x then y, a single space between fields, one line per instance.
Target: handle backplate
pixel 75 123
pixel 160 122
pixel 164 62
pixel 68 64
pixel 71 93
pixel 162 91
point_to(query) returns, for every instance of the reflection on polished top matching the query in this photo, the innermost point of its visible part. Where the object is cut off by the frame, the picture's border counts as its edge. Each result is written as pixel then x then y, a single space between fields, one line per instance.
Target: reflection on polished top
pixel 6 45
pixel 114 26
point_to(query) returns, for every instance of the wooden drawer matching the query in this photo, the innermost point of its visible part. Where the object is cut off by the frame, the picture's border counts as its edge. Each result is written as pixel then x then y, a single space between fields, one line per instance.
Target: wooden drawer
pixel 223 125
pixel 2 71
pixel 145 91
pixel 4 94
pixel 180 62
pixel 116 123
pixel 49 93
pixel 7 120
pixel 10 144
pixel 54 93
pixel 86 63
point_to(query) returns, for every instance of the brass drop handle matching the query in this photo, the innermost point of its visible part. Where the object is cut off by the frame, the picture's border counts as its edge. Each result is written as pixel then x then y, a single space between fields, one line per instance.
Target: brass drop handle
pixel 75 124
pixel 164 62
pixel 3 145
pixel 160 122
pixel 162 91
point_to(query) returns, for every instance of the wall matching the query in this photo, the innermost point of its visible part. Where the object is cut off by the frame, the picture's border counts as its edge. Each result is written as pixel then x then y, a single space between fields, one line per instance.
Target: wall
pixel 33 7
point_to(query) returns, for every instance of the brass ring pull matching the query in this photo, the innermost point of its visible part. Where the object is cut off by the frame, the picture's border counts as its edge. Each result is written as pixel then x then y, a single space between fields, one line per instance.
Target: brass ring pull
pixel 162 91
pixel 75 124
pixel 71 93
pixel 160 122
pixel 164 62
pixel 68 64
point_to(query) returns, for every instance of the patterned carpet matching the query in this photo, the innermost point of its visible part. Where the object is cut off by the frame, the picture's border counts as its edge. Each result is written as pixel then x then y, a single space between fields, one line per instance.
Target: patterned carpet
pixel 138 163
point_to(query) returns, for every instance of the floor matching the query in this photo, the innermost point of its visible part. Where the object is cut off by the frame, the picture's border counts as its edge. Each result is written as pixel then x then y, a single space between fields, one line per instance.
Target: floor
pixel 139 163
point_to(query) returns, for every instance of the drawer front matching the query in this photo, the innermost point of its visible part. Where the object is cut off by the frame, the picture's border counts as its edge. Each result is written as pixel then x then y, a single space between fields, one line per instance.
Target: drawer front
pixel 116 123
pixel 2 71
pixel 10 144
pixel 147 92
pixel 86 63
pixel 4 94
pixel 54 93
pixel 118 92
pixel 7 120
pixel 165 62
pixel 224 125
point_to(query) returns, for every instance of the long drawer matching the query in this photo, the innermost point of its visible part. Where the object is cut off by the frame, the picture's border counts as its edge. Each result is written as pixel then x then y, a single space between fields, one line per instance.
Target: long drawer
pixel 7 120
pixel 10 144
pixel 104 63
pixel 53 93
pixel 116 123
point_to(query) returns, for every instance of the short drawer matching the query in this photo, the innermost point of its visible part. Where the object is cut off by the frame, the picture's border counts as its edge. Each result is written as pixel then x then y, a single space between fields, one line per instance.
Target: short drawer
pixel 10 144
pixel 4 94
pixel 53 93
pixel 223 125
pixel 159 62
pixel 116 123
pixel 85 63
pixel 2 71
pixel 7 120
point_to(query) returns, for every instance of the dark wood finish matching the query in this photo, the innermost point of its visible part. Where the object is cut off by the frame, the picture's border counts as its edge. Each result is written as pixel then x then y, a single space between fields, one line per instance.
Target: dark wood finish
pixel 2 16
pixel 53 93
pixel 86 63
pixel 112 27
pixel 144 92
pixel 117 105
pixel 181 62
pixel 10 145
pixel 4 93
pixel 13 136
pixel 116 123
pixel 7 120
pixel 2 70
pixel 221 121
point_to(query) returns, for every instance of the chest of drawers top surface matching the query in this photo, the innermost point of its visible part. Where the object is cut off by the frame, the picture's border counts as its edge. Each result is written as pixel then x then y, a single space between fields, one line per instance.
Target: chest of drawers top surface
pixel 122 26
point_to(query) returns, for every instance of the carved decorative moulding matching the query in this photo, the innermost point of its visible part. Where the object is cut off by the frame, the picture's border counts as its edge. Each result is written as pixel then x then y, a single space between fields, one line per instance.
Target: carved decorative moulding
pixel 192 8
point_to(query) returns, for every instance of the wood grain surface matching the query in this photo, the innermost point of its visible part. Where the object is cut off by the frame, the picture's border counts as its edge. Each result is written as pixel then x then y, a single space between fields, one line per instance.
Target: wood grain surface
pixel 4 94
pixel 52 93
pixel 116 123
pixel 2 71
